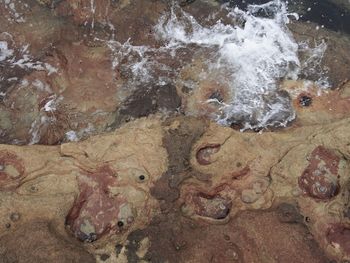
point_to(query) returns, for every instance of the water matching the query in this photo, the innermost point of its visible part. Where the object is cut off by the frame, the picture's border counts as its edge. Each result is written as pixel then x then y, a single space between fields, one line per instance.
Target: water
pixel 256 54
pixel 323 12
pixel 245 47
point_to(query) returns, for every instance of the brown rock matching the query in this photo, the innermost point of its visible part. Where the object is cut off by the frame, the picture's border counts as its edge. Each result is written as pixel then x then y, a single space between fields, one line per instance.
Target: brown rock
pixel 38 242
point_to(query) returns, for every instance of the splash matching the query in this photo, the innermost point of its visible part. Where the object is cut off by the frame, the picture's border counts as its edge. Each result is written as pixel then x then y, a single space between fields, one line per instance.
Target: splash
pixel 256 51
pixel 12 57
pixel 253 51
pixel 12 7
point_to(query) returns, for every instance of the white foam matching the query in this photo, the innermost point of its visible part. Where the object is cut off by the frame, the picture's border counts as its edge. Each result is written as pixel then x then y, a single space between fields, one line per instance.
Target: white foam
pixel 71 136
pixel 21 57
pixel 52 104
pixel 257 55
pixel 46 118
pixel 5 52
pixel 13 14
pixel 311 67
pixel 253 54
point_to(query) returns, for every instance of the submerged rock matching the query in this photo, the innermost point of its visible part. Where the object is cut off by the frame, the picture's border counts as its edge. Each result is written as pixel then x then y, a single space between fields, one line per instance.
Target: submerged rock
pixel 139 99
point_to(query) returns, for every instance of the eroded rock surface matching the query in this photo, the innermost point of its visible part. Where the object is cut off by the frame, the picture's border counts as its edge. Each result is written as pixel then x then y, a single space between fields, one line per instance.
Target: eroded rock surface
pixel 160 181
pixel 142 193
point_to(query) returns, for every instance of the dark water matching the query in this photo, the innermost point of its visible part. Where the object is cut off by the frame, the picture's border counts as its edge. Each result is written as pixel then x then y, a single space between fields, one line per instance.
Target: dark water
pixel 322 12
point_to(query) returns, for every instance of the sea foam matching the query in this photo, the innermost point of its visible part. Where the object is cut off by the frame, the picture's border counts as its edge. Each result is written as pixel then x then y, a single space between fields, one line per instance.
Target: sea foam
pixel 257 53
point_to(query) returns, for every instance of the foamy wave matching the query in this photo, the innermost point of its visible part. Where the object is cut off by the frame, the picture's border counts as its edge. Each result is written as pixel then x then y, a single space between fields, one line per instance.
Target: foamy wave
pixel 257 54
pixel 20 57
pixel 254 51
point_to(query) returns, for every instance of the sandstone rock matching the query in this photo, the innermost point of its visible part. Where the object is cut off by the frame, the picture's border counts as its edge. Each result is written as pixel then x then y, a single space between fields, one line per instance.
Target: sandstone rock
pixel 89 182
pixel 160 188
pixel 38 242
pixel 146 179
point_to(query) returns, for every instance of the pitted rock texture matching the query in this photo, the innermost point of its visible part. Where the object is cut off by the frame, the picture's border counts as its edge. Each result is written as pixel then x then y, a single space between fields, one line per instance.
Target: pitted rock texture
pixel 155 185
pixel 95 213
pixel 93 192
pixel 141 193
pixel 320 179
pixel 39 242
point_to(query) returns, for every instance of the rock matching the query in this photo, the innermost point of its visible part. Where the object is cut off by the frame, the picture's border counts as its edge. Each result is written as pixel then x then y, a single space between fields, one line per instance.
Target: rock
pixel 38 242
pixel 342 3
pixel 335 62
pixel 148 183
pixel 95 200
pixel 105 188
pixel 320 179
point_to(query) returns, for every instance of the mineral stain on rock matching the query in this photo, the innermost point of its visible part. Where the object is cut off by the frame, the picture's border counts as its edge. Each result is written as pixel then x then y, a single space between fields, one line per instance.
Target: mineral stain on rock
pixel 320 178
pixel 11 170
pixel 204 154
pixel 243 239
pixel 339 237
pixel 181 134
pixel 96 211
pixel 95 201
pixel 206 206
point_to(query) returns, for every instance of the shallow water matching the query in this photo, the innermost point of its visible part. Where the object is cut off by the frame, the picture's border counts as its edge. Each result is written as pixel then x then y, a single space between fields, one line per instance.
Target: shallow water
pixel 231 60
pixel 253 52
pixel 323 12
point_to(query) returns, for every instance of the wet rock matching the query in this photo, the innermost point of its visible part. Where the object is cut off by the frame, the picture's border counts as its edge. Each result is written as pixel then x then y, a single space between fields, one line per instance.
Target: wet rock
pixel 342 3
pixel 139 178
pixel 264 117
pixel 146 101
pixel 335 61
pixel 288 213
pixel 38 242
pixel 339 237
pixel 49 3
pixel 305 100
pixel 186 2
pixel 139 17
pixel 324 107
pixel 181 133
pixel 320 179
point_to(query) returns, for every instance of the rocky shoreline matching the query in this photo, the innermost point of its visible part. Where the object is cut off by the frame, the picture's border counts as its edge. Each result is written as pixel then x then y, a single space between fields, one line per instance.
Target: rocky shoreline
pixel 127 169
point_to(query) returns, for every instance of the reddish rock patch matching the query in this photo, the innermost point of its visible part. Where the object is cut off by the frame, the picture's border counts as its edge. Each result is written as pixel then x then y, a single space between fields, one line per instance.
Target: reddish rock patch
pixel 96 211
pixel 11 170
pixel 214 207
pixel 204 154
pixel 242 173
pixel 339 235
pixel 320 178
